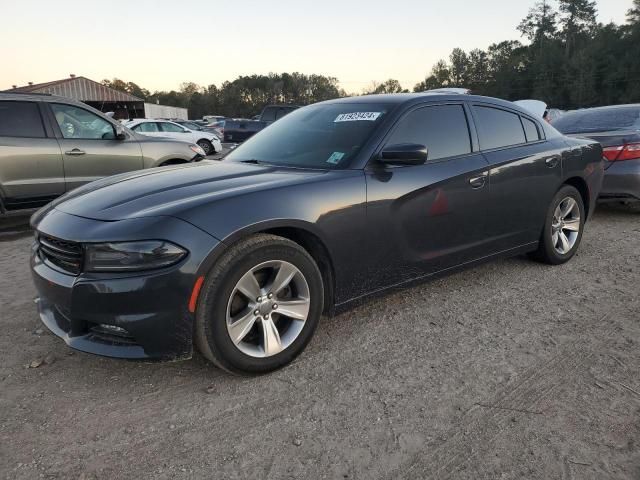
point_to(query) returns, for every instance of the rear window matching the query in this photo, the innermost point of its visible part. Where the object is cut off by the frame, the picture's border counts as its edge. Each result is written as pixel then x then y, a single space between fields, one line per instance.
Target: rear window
pixel 269 114
pixel 498 128
pixel 597 120
pixel 20 119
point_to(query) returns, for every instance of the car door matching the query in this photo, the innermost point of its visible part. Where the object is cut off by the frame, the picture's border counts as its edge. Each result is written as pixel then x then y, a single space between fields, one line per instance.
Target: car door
pixel 422 219
pixel 524 175
pixel 31 169
pixel 89 146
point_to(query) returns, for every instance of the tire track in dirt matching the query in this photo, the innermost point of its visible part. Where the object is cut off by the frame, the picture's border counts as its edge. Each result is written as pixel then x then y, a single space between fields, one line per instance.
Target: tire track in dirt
pixel 487 420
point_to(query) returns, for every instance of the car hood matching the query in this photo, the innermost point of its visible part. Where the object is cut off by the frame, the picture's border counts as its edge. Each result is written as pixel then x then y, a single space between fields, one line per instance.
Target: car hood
pixel 172 190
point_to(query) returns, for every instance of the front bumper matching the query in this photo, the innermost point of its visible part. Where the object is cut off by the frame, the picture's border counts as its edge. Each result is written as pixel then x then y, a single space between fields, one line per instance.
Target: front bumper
pixel 133 315
pixel 621 182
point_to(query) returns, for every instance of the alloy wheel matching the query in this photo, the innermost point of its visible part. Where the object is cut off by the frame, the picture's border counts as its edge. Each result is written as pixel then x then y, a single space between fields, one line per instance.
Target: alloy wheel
pixel 565 225
pixel 268 308
pixel 206 146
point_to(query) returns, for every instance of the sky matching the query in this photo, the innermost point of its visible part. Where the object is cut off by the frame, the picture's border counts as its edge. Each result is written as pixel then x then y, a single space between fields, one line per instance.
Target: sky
pixel 159 44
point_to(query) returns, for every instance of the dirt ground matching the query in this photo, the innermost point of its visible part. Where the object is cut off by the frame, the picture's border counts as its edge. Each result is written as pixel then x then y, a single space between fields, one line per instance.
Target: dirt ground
pixel 511 370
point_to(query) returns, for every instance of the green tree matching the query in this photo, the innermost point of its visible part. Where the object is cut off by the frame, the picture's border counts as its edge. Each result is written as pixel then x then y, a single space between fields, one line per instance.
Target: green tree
pixel 540 23
pixel 578 20
pixel 388 86
pixel 459 67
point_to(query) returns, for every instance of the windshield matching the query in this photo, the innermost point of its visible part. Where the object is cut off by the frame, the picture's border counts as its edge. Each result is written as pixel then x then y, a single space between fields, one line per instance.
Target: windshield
pixel 318 136
pixel 599 120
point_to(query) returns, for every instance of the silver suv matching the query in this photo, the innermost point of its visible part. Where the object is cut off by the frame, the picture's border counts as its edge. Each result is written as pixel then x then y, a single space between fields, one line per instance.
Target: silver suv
pixel 50 145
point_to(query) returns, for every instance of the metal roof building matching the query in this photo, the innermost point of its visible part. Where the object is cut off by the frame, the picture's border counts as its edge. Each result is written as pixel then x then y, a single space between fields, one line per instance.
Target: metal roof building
pixel 92 93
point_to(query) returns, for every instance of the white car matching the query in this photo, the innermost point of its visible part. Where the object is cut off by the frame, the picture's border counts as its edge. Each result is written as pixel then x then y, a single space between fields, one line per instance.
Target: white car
pixel 209 142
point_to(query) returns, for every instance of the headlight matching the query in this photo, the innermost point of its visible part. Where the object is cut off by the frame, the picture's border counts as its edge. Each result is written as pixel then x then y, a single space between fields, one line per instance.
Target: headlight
pixel 198 150
pixel 131 256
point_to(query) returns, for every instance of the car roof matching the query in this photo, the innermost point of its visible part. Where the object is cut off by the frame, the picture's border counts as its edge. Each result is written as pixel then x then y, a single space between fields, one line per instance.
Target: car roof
pixel 409 98
pixel 38 97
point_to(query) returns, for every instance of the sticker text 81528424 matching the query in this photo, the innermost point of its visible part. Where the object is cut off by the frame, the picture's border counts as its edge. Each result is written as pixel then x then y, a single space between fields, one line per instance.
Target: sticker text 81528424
pixel 357 117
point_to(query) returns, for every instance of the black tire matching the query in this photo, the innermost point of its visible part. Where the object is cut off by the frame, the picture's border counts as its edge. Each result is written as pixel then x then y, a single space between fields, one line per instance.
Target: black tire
pixel 633 207
pixel 211 335
pixel 547 252
pixel 207 146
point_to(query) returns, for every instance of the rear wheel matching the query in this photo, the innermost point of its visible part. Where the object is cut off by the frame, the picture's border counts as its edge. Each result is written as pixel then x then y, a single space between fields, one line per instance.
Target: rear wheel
pixel 563 227
pixel 260 305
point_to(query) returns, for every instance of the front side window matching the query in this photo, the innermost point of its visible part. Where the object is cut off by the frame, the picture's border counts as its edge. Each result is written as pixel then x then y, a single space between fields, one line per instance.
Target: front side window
pixel 171 127
pixel 147 127
pixel 317 136
pixel 20 119
pixel 76 122
pixel 498 128
pixel 443 129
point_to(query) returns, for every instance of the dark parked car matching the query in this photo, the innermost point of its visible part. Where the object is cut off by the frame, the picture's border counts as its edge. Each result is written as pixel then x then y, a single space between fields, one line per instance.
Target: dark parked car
pixel 336 202
pixel 238 130
pixel 617 128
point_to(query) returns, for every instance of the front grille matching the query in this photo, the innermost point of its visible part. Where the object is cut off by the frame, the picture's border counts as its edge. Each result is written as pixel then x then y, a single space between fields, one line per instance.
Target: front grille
pixel 61 253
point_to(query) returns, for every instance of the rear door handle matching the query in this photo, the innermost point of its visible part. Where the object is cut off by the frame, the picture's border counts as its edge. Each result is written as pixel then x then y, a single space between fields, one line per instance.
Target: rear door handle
pixel 478 182
pixel 75 151
pixel 552 161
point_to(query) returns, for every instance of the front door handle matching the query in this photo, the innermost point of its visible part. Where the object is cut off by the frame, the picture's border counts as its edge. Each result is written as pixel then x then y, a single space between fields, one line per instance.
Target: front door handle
pixel 478 182
pixel 75 151
pixel 552 161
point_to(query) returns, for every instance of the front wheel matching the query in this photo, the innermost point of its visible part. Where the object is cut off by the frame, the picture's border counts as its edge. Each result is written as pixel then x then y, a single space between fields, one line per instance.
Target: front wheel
pixel 563 227
pixel 206 146
pixel 260 305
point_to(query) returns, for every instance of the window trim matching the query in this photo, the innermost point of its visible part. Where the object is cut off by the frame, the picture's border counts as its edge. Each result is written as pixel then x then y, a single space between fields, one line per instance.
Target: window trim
pixel 419 106
pixel 58 131
pixel 45 131
pixel 520 115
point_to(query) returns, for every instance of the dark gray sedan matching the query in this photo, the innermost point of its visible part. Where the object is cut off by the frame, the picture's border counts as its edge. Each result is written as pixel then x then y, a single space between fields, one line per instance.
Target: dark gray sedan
pixel 332 204
pixel 617 128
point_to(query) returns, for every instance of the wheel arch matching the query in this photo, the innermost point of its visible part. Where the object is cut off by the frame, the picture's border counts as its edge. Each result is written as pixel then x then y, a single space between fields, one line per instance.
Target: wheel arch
pixel 173 161
pixel 297 231
pixel 581 185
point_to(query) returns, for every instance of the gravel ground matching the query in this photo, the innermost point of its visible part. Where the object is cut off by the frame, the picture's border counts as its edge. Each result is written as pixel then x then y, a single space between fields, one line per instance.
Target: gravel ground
pixel 510 370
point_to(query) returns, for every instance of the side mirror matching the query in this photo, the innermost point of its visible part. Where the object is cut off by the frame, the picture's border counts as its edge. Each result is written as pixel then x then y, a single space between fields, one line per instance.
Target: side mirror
pixel 120 135
pixel 404 154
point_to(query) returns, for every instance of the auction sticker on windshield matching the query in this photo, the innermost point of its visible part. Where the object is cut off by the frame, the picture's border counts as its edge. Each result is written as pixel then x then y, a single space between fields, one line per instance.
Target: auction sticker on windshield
pixel 357 116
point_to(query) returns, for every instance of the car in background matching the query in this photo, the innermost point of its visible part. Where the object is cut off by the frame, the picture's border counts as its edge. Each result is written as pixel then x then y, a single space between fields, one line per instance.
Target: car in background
pixel 217 127
pixel 50 145
pixel 617 129
pixel 208 141
pixel 213 118
pixel 238 130
pixel 337 202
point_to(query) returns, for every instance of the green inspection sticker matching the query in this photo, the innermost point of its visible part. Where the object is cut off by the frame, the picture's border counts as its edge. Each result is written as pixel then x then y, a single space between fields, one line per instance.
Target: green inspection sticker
pixel 335 157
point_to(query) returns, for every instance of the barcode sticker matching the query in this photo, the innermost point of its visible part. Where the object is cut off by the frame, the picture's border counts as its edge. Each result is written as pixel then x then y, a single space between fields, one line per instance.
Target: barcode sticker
pixel 357 117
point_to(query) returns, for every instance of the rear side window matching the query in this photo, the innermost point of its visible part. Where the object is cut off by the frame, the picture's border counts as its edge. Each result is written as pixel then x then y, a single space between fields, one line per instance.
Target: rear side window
pixel 269 114
pixel 147 127
pixel 20 119
pixel 498 128
pixel 599 120
pixel 530 130
pixel 443 129
pixel 170 127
